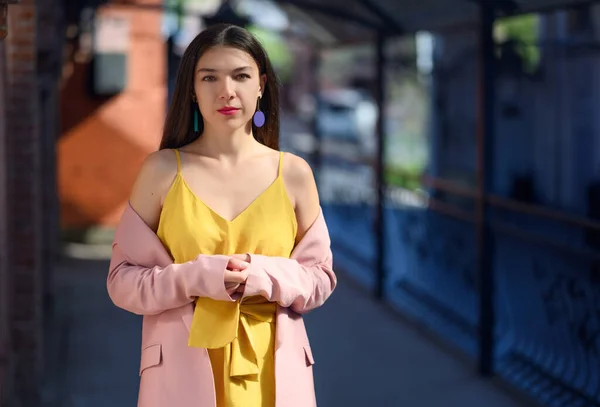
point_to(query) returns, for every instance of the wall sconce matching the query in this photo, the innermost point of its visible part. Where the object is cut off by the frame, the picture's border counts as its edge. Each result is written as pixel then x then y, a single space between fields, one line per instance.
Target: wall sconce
pixel 4 17
pixel 110 49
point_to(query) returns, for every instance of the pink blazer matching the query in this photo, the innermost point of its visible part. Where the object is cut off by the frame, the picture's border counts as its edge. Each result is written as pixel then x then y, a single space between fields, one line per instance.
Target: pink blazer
pixel 143 279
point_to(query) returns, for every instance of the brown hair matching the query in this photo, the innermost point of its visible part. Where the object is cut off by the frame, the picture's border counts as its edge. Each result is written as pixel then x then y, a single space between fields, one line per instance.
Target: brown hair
pixel 178 130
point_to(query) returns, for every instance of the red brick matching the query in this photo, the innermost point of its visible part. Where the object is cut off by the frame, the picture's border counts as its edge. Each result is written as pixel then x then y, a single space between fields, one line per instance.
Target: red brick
pixel 22 53
pixel 23 185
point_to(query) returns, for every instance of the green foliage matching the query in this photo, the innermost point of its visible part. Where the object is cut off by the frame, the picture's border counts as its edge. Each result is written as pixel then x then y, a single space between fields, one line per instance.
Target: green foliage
pixel 279 53
pixel 403 177
pixel 523 29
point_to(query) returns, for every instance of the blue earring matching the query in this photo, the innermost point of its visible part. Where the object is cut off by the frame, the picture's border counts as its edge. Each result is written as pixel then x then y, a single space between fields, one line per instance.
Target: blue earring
pixel 259 117
pixel 196 114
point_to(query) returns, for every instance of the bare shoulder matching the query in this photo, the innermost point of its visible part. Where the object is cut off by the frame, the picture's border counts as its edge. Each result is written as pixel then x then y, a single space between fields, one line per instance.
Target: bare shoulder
pixel 302 189
pixel 297 171
pixel 153 181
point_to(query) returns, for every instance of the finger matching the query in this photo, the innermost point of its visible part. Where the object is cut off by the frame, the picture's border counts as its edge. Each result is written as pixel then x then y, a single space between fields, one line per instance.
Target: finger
pixel 237 264
pixel 239 256
pixel 236 268
pixel 234 277
pixel 242 263
pixel 244 257
pixel 240 277
pixel 233 289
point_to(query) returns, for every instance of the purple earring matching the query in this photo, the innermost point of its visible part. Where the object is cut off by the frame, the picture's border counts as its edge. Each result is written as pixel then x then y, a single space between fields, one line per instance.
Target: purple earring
pixel 259 117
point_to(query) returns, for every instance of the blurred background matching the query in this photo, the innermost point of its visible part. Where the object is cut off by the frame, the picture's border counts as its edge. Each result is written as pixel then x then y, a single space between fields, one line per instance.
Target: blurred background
pixel 457 154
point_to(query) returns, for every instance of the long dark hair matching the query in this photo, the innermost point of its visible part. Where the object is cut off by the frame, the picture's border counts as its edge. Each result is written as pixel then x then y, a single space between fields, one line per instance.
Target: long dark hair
pixel 178 130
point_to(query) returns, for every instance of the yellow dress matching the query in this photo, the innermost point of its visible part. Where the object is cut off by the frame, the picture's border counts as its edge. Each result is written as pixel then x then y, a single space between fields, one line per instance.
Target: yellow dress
pixel 239 336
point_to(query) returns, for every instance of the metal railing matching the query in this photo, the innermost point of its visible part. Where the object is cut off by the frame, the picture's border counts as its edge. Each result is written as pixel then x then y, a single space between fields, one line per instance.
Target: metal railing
pixel 547 279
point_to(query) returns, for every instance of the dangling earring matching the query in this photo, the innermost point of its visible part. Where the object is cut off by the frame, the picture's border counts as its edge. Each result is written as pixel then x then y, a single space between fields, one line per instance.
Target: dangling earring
pixel 196 115
pixel 259 117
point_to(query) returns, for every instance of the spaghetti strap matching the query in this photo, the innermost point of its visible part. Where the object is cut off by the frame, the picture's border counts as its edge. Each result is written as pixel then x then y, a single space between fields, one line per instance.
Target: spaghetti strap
pixel 280 164
pixel 178 161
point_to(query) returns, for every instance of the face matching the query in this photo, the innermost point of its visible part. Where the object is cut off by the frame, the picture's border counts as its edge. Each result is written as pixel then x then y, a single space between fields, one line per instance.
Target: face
pixel 227 85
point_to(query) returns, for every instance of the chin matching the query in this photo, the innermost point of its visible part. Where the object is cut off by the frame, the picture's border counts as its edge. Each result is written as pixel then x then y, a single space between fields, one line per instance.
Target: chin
pixel 233 124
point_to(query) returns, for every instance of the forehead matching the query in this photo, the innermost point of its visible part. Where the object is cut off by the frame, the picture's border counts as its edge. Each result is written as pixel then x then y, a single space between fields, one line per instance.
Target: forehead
pixel 224 58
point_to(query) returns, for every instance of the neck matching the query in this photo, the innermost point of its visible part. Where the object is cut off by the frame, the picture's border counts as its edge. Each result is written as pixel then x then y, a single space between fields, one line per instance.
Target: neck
pixel 223 145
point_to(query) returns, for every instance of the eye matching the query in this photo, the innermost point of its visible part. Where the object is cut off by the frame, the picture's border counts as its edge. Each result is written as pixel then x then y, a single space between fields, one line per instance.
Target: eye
pixel 209 78
pixel 243 76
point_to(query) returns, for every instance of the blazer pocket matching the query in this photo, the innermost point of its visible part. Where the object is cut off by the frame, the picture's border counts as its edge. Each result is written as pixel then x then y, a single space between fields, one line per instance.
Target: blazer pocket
pixel 309 356
pixel 151 356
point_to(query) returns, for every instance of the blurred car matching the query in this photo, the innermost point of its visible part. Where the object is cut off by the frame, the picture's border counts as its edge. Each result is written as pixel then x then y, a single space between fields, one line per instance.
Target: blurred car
pixel 347 115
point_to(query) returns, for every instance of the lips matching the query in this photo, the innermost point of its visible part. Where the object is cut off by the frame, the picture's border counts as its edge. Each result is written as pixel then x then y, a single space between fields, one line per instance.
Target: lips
pixel 228 110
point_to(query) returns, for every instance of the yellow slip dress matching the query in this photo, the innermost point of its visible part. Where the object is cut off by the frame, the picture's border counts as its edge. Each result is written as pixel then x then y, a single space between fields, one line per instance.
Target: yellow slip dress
pixel 239 336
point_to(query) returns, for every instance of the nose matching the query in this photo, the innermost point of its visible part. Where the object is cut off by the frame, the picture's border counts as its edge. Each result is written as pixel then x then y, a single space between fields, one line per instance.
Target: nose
pixel 227 90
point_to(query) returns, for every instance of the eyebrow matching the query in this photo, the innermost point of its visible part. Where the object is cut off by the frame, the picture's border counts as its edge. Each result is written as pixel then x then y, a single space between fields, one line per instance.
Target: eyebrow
pixel 212 70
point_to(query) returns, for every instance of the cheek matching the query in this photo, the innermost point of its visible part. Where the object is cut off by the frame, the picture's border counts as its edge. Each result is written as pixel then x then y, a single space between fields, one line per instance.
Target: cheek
pixel 250 100
pixel 208 111
pixel 205 101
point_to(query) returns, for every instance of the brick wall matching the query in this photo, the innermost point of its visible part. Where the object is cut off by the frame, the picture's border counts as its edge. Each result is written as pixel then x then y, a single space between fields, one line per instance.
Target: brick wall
pixel 50 30
pixel 100 152
pixel 24 203
pixel 100 155
pixel 4 277
pixel 30 67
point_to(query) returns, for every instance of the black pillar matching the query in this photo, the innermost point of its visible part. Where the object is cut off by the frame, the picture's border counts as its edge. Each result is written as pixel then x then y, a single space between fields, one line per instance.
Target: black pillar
pixel 485 142
pixel 315 89
pixel 379 167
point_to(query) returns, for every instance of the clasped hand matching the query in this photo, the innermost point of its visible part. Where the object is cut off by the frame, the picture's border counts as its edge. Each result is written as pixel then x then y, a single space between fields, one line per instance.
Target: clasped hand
pixel 236 273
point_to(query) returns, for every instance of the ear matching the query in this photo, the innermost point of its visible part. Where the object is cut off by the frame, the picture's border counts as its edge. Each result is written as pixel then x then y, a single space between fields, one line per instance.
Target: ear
pixel 263 84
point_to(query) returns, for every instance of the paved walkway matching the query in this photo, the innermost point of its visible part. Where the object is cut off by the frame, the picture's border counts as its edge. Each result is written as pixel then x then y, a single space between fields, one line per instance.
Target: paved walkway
pixel 365 355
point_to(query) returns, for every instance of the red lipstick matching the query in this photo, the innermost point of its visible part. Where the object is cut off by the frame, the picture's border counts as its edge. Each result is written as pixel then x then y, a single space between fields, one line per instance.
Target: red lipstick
pixel 228 110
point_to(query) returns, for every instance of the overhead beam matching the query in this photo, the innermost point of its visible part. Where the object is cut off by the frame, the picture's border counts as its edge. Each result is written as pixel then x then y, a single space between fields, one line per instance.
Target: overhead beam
pixel 392 25
pixel 334 12
pixel 504 6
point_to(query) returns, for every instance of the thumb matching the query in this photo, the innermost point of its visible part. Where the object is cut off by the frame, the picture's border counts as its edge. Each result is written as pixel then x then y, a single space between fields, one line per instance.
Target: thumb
pixel 238 264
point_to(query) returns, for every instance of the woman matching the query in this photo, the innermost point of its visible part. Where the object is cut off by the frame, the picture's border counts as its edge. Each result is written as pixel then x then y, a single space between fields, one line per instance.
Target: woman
pixel 245 237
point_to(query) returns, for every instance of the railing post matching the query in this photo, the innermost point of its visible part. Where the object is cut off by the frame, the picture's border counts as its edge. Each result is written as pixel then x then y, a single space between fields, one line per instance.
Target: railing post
pixel 380 168
pixel 485 142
